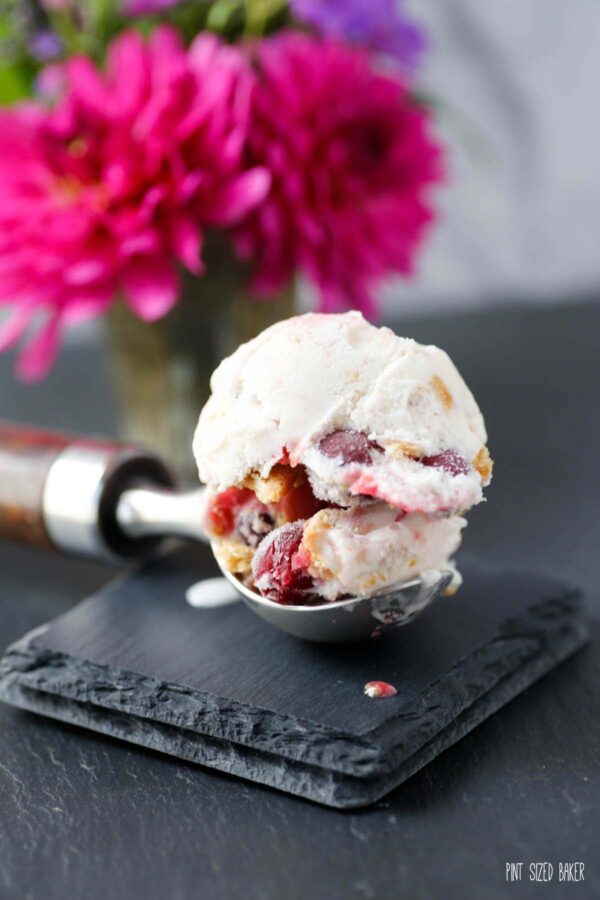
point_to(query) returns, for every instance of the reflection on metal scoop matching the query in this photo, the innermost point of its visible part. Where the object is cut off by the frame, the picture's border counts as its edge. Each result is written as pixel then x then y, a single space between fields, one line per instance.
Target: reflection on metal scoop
pixel 144 512
pixel 356 619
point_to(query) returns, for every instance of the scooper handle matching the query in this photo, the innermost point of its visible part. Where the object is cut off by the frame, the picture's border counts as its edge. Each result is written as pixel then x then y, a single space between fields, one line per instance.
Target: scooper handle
pixel 61 491
pixel 26 457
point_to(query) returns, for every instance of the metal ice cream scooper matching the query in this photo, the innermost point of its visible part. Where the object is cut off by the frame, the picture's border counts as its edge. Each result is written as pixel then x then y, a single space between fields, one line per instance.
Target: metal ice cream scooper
pixel 118 503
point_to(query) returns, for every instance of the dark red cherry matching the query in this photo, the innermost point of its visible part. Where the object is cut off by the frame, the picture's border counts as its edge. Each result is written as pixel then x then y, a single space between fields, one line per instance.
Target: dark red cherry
pixel 280 569
pixel 350 446
pixel 449 460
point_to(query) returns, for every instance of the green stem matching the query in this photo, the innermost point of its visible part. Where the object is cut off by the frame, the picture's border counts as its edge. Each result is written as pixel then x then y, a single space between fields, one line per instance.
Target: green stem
pixel 259 14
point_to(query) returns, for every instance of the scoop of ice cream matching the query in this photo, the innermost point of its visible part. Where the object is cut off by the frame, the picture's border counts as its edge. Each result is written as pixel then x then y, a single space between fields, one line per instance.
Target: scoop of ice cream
pixel 339 459
pixel 365 411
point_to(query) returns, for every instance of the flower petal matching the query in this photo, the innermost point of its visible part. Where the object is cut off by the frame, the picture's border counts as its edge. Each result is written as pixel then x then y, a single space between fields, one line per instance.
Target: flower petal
pixel 88 86
pixel 13 329
pixel 187 243
pixel 239 197
pixel 93 301
pixel 151 286
pixel 37 358
pixel 86 271
pixel 127 65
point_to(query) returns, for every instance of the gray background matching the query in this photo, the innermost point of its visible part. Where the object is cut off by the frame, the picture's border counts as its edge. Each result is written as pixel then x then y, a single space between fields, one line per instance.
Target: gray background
pixel 518 82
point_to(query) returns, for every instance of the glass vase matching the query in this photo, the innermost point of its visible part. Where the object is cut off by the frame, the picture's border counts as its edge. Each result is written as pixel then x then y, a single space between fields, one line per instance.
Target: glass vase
pixel 161 370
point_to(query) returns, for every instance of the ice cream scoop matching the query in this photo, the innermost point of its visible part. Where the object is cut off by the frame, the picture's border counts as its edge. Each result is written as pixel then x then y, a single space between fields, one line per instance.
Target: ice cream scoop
pixel 340 460
pixel 118 503
pixel 148 513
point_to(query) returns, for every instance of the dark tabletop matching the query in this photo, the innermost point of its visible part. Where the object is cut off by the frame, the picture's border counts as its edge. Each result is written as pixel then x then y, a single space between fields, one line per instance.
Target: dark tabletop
pixel 83 816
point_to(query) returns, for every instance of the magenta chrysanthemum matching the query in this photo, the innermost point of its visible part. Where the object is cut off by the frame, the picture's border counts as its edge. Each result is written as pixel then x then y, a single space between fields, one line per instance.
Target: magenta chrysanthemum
pixel 104 193
pixel 351 161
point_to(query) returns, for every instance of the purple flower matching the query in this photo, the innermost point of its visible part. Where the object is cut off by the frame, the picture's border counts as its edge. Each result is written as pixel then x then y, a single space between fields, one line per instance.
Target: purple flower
pixel 148 7
pixel 380 25
pixel 51 82
pixel 45 45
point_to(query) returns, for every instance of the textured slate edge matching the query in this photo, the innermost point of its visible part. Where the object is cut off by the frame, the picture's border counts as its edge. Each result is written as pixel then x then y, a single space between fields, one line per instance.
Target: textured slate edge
pixel 516 640
pixel 371 756
pixel 322 786
pixel 36 668
pixel 569 642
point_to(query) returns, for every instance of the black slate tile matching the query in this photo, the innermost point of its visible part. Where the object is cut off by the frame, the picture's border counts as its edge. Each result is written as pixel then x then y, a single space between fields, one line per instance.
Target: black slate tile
pixel 222 688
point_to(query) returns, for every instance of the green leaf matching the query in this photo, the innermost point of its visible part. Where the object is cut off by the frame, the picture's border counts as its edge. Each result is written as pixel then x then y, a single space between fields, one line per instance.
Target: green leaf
pixel 14 85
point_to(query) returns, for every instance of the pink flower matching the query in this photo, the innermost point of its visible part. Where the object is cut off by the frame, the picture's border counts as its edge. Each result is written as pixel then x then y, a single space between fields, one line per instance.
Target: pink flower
pixel 104 193
pixel 351 160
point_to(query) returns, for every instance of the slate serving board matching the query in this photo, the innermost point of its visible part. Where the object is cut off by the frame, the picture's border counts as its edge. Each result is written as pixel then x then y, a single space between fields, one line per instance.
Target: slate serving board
pixel 224 689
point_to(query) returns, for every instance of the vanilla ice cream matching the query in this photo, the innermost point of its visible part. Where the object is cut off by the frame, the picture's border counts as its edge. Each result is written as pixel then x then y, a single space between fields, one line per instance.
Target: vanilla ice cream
pixel 372 442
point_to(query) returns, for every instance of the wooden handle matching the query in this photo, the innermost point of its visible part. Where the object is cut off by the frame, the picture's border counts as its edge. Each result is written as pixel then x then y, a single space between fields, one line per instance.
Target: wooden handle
pixel 26 456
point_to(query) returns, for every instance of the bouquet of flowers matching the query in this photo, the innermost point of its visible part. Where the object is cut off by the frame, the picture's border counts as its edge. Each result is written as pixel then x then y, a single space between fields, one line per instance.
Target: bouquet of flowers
pixel 134 128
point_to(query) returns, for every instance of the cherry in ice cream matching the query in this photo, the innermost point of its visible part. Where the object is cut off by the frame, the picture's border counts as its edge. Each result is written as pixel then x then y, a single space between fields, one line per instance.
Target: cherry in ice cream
pixel 449 460
pixel 280 566
pixel 350 446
